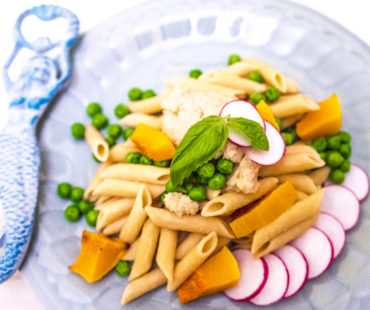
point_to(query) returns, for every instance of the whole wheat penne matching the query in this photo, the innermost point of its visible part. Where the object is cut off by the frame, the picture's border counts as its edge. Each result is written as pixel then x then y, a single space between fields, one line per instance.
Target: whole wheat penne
pixel 148 106
pixel 145 250
pixel 193 260
pixel 134 119
pixel 291 120
pixel 319 176
pixel 301 182
pixel 289 105
pixel 142 285
pixel 191 223
pixel 115 227
pixel 189 242
pixel 131 252
pixel 97 143
pixel 138 173
pixel 88 194
pixel 227 203
pixel 119 151
pixel 166 251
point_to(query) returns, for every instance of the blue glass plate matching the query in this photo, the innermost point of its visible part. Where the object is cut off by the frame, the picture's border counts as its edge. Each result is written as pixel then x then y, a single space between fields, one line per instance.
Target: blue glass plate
pixel 159 39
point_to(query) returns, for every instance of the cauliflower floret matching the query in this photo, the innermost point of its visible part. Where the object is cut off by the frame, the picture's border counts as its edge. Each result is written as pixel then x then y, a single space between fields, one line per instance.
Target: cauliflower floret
pixel 180 204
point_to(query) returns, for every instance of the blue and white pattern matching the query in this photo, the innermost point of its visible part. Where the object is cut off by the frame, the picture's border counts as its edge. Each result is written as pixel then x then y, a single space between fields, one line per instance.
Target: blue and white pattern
pixel 39 81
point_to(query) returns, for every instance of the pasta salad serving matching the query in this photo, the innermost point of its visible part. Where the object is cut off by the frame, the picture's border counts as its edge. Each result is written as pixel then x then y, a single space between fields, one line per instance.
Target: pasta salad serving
pixel 228 181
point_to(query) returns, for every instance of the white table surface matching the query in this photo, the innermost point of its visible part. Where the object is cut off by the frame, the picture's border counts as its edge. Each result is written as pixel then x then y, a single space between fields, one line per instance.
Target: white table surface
pixel 15 294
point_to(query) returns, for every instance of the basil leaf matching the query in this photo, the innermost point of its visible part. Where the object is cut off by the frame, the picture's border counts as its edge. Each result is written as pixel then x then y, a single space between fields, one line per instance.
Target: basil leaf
pixel 251 130
pixel 199 145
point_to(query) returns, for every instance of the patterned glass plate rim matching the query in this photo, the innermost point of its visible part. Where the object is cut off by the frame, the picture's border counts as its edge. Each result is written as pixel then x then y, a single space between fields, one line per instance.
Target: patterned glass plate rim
pixel 142 47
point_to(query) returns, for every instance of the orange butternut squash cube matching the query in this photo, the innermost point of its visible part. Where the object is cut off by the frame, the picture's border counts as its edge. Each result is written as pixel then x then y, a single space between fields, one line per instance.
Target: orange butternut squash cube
pixel 323 122
pixel 153 143
pixel 218 273
pixel 266 113
pixel 99 254
pixel 276 203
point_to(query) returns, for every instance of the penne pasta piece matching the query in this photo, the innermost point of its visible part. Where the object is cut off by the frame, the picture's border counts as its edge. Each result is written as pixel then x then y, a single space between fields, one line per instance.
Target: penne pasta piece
pixel 138 173
pixel 185 246
pixel 319 176
pixel 213 193
pixel 300 148
pixel 192 261
pixel 290 105
pixel 115 227
pixel 203 86
pixel 127 189
pixel 287 226
pixel 131 252
pixel 145 250
pixel 301 195
pixel 240 68
pixel 148 106
pixel 134 119
pixel 301 182
pixel 221 242
pixel 191 223
pixel 97 143
pixel 137 216
pixel 88 194
pixel 233 81
pixel 291 86
pixel 227 203
pixel 119 151
pixel 291 120
pixel 104 201
pixel 113 212
pixel 142 285
pixel 166 251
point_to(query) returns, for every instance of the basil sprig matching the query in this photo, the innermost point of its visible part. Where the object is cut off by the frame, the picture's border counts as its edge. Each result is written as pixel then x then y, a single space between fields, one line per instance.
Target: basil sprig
pixel 206 138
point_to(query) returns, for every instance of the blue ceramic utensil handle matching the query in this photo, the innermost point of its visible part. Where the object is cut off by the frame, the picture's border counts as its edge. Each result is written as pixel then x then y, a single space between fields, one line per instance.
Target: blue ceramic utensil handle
pixel 41 77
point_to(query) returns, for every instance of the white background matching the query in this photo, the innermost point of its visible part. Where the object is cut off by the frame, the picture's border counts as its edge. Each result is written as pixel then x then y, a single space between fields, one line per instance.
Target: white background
pixel 351 14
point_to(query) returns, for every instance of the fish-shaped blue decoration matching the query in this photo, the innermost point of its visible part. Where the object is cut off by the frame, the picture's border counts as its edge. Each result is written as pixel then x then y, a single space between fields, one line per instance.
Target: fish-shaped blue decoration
pixel 42 77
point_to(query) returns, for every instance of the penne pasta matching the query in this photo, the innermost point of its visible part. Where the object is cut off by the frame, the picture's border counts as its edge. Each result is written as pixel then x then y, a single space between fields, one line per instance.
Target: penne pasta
pixel 319 176
pixel 301 195
pixel 240 68
pixel 88 194
pixel 97 143
pixel 131 252
pixel 213 193
pixel 115 227
pixel 137 216
pixel 192 261
pixel 290 105
pixel 119 151
pixel 142 285
pixel 166 251
pixel 301 182
pixel 291 86
pixel 148 106
pixel 191 223
pixel 227 203
pixel 134 119
pixel 300 148
pixel 145 250
pixel 291 120
pixel 189 242
pixel 104 201
pixel 138 173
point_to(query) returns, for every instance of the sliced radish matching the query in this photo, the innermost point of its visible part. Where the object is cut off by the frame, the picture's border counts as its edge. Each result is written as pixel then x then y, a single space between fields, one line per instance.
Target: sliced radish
pixel 318 250
pixel 297 267
pixel 334 230
pixel 276 150
pixel 253 276
pixel 342 203
pixel 277 282
pixel 241 108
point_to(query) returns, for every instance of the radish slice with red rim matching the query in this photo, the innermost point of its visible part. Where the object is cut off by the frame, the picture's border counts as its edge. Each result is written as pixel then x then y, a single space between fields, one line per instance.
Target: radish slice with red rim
pixel 316 246
pixel 253 276
pixel 277 282
pixel 297 267
pixel 241 108
pixel 341 202
pixel 276 148
pixel 334 230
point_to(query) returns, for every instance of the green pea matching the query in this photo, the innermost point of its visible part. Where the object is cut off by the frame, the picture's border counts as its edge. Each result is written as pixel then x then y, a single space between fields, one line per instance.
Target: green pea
pixel 288 138
pixel 256 97
pixel 345 166
pixel 123 268
pixel 323 156
pixel 344 136
pixel 189 187
pixel 93 109
pixel 127 133
pixel 334 159
pixel 91 217
pixel 345 150
pixel 225 165
pixel 135 94
pixel 145 160
pixel 319 144
pixel 272 94
pixel 149 93
pixel 121 110
pixel 64 190
pixel 163 196
pixel 336 176
pixel 72 213
pixel 195 73
pixel 94 158
pixel 111 141
pixel 85 206
pixel 333 142
pixel 234 58
pixel 133 158
pixel 206 171
pixel 170 188
pixel 78 131
pixel 201 180
pixel 114 130
pixel 279 122
pixel 255 76
pixel 198 193
pixel 99 121
pixel 162 164
pixel 292 131
pixel 218 181
pixel 77 194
